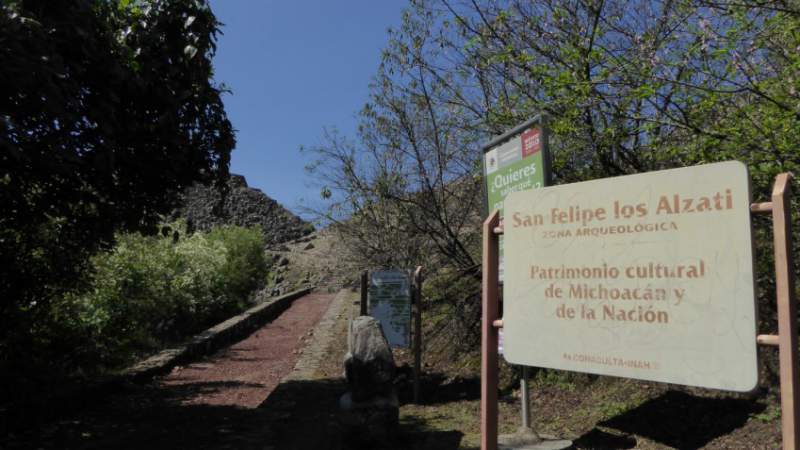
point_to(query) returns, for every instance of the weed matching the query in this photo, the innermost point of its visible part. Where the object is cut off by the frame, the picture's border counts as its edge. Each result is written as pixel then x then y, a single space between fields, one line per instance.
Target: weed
pixel 772 414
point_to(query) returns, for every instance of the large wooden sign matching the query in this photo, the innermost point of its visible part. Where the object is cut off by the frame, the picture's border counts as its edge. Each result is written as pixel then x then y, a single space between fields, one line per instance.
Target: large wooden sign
pixel 390 303
pixel 645 276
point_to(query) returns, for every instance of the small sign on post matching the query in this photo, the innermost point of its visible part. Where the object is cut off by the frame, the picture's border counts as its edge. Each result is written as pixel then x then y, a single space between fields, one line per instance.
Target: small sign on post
pixel 390 303
pixel 517 160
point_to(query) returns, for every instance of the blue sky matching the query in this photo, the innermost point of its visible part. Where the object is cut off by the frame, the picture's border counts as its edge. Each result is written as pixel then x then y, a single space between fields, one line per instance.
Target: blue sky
pixel 295 66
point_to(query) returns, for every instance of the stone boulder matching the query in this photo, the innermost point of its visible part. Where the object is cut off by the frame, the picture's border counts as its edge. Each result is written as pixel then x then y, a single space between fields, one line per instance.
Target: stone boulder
pixel 369 365
pixel 370 409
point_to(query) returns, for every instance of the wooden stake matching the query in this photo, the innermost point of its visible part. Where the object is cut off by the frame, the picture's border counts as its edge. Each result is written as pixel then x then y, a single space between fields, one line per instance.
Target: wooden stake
pixel 489 333
pixel 417 331
pixel 787 312
pixel 364 278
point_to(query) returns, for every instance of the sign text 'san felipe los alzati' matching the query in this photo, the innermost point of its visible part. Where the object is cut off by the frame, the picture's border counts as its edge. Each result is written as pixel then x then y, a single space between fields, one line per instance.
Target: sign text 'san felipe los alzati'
pixel 646 276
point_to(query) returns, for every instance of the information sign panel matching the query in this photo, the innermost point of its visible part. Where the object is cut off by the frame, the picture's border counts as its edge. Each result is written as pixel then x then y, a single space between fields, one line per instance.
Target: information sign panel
pixel 390 303
pixel 515 165
pixel 647 276
pixel 517 162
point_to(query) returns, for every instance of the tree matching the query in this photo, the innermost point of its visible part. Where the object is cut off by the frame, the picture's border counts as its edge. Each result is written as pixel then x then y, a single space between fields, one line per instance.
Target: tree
pixel 629 86
pixel 107 109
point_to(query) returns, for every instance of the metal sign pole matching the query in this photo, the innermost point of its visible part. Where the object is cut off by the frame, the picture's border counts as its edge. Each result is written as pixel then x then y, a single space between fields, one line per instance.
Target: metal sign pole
pixel 525 399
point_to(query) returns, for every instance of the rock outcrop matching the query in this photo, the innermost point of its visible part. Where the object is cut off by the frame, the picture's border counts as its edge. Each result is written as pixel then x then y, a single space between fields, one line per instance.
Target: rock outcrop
pixel 202 208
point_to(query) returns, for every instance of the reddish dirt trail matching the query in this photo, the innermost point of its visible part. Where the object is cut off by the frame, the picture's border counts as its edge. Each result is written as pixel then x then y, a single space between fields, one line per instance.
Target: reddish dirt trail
pixel 249 371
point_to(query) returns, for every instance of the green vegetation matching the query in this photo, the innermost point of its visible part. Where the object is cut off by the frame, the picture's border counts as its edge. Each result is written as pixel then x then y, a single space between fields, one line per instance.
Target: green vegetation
pixel 107 110
pixel 556 378
pixel 628 86
pixel 770 414
pixel 148 291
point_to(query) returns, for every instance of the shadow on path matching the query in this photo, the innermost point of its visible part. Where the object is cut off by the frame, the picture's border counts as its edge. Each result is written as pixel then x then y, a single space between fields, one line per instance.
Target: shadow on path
pixel 306 418
pixel 208 404
pixel 153 417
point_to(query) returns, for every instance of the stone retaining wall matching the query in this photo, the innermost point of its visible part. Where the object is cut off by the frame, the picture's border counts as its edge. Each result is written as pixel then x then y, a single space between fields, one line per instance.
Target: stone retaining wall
pixel 214 338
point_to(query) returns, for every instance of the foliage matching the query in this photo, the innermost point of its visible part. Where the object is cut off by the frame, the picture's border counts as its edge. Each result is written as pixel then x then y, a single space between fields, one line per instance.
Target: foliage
pixel 628 86
pixel 107 109
pixel 453 310
pixel 772 414
pixel 150 290
pixel 245 264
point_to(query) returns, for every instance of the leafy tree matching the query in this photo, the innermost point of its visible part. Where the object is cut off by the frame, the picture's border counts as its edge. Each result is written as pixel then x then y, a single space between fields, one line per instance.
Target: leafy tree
pixel 629 86
pixel 107 108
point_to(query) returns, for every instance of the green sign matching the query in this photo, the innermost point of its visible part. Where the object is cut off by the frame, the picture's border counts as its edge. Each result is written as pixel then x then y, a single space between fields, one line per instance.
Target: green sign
pixel 515 165
pixel 516 161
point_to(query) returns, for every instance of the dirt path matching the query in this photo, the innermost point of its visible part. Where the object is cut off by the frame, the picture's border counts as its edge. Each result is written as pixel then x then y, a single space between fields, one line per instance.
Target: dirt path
pixel 248 371
pixel 213 403
pixel 306 403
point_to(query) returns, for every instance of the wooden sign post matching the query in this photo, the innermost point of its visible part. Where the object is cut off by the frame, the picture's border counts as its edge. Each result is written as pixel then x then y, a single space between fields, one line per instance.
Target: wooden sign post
pixel 638 360
pixel 786 339
pixel 417 299
pixel 489 325
pixel 364 291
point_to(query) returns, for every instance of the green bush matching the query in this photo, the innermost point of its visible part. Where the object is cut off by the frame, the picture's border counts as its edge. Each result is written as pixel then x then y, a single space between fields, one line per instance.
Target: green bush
pixel 152 290
pixel 245 265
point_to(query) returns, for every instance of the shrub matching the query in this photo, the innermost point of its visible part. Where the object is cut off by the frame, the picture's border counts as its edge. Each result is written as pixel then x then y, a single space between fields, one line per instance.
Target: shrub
pixel 246 265
pixel 149 291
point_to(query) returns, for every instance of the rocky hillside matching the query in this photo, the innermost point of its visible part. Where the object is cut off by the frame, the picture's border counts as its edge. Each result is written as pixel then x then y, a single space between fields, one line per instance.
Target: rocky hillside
pixel 299 254
pixel 244 206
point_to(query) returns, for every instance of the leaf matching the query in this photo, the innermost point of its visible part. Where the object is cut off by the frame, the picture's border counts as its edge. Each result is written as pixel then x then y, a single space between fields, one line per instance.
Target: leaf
pixel 190 51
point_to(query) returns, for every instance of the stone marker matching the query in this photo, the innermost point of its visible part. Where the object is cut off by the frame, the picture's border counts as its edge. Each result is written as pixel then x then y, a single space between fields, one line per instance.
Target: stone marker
pixel 370 409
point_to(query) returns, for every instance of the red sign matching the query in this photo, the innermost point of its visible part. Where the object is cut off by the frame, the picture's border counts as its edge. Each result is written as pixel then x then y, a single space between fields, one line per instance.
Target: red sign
pixel 531 142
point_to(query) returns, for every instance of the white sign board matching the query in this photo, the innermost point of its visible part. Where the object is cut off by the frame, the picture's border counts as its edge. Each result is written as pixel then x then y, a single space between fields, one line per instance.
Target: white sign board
pixel 390 303
pixel 646 276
